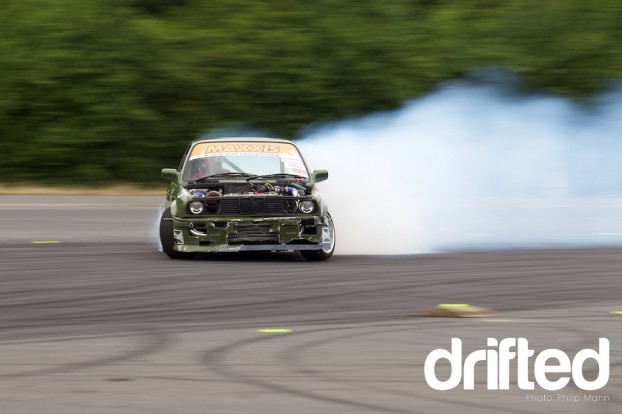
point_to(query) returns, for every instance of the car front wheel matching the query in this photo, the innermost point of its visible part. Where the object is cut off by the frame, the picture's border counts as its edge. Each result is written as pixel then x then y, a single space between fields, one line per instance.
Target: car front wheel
pixel 167 239
pixel 327 251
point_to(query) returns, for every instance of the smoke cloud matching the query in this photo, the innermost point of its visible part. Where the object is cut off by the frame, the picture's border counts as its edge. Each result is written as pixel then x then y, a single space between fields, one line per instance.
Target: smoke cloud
pixel 471 167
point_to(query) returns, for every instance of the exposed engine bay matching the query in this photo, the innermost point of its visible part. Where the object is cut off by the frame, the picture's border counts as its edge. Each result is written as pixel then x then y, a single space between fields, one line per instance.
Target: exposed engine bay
pixel 237 189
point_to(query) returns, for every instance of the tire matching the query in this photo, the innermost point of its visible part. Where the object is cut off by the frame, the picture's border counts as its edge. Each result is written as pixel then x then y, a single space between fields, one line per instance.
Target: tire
pixel 324 253
pixel 166 237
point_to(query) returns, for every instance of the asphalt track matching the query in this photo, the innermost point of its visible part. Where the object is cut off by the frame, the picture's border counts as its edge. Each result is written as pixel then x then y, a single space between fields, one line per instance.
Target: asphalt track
pixel 103 323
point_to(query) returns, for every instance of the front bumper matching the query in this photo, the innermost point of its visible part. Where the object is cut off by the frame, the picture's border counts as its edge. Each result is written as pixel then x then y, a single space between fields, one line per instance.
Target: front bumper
pixel 204 235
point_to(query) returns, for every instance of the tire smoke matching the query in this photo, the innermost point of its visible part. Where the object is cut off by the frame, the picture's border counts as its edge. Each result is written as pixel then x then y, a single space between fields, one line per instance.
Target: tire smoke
pixel 473 167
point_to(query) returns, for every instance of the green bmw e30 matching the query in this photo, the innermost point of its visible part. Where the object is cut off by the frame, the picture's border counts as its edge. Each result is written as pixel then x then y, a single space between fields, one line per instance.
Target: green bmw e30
pixel 245 194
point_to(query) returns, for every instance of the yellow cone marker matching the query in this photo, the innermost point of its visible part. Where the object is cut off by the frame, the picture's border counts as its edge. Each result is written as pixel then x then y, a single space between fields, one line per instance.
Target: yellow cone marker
pixel 274 330
pixel 45 241
pixel 456 310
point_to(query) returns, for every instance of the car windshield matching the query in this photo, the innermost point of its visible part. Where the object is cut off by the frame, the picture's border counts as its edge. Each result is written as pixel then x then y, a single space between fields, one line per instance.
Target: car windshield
pixel 243 158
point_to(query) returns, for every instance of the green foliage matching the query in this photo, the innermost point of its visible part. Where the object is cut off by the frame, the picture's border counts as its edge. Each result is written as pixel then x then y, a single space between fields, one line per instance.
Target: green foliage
pixel 98 91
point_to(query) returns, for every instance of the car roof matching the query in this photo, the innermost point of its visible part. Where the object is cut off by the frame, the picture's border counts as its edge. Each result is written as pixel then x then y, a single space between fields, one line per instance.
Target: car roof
pixel 249 139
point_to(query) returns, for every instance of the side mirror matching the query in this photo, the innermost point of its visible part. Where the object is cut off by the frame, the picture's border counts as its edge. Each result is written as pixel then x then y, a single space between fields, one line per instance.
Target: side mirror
pixel 319 175
pixel 170 174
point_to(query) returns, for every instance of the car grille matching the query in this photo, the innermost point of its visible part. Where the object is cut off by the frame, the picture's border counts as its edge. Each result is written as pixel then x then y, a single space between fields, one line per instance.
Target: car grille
pixel 253 205
pixel 253 233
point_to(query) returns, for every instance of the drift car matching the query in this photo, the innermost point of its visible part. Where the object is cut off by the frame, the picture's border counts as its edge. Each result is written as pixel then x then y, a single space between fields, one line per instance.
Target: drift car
pixel 245 194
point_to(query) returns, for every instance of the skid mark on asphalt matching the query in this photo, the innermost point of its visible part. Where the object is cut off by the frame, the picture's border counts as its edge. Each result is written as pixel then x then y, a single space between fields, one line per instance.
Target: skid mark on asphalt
pixel 146 342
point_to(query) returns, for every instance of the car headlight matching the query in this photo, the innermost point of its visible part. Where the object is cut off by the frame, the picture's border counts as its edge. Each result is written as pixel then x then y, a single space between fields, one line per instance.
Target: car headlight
pixel 307 206
pixel 290 206
pixel 196 207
